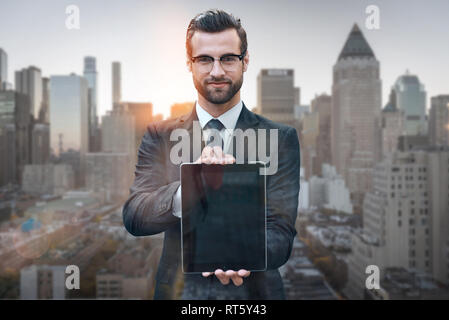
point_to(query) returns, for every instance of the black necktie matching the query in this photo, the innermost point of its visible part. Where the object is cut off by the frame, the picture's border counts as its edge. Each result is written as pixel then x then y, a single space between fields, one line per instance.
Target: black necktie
pixel 217 125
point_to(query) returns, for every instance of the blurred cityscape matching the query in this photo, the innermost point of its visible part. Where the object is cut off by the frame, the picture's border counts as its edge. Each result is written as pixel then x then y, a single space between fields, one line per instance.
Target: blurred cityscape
pixel 374 183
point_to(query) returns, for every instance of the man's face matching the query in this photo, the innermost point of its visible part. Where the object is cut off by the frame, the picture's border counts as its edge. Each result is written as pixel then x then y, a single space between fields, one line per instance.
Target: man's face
pixel 218 86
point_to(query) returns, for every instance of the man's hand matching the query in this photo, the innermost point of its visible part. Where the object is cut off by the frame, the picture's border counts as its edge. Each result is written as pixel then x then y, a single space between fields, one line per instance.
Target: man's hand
pixel 225 277
pixel 215 155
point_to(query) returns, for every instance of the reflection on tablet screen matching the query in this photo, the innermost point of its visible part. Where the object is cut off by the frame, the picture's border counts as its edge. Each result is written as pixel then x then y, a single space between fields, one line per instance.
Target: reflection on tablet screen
pixel 223 220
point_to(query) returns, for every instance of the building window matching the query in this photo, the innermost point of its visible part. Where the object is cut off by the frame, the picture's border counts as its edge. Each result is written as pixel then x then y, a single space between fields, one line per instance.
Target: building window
pixel 399 223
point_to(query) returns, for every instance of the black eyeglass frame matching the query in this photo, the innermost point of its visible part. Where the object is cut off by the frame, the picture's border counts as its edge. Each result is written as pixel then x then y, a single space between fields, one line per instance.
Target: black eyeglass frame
pixel 240 56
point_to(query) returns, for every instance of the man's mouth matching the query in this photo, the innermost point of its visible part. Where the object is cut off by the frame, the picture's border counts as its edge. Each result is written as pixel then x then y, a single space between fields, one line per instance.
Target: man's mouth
pixel 218 84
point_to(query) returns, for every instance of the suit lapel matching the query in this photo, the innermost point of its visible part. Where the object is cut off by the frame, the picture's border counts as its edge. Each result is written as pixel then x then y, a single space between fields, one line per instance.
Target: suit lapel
pixel 246 120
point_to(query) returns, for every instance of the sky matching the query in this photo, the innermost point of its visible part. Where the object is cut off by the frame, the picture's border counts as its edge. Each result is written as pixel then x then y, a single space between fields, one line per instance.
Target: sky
pixel 148 38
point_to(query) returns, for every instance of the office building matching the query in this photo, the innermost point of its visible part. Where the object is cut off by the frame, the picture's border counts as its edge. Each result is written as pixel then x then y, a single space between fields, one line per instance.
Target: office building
pixel 329 191
pixel 356 106
pixel 48 179
pixel 3 69
pixel 44 114
pixel 316 136
pixel 411 99
pixel 143 115
pixel 392 125
pixel 116 84
pixel 108 176
pixel 276 95
pixel 15 124
pixel 29 82
pixel 405 218
pixel 91 75
pixel 439 121
pixel 42 282
pixel 40 143
pixel 69 113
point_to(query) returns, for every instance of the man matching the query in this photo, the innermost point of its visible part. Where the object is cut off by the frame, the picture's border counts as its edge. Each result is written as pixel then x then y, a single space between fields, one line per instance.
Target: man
pixel 217 58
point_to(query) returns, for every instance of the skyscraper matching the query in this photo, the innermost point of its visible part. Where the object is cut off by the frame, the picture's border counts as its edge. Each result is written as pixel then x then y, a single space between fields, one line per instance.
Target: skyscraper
pixel 439 121
pixel 143 115
pixel 118 131
pixel 116 84
pixel 438 190
pixel 356 105
pixel 411 99
pixel 322 106
pixel 91 75
pixel 69 112
pixel 40 143
pixel 29 82
pixel 276 95
pixel 392 125
pixel 3 69
pixel 44 114
pixel 309 143
pixel 15 125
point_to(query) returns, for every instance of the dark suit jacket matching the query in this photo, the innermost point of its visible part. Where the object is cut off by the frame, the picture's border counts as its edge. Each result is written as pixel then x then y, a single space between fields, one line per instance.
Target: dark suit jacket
pixel 148 211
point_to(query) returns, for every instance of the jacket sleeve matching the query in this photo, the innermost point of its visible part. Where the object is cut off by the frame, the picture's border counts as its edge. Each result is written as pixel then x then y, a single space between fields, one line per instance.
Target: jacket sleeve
pixel 148 209
pixel 282 202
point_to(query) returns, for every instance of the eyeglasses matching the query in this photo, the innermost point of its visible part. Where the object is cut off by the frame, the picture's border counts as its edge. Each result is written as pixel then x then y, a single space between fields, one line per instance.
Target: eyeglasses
pixel 229 62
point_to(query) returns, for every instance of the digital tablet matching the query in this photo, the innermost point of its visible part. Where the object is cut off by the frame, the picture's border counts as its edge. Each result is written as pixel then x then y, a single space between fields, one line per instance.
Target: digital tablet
pixel 223 220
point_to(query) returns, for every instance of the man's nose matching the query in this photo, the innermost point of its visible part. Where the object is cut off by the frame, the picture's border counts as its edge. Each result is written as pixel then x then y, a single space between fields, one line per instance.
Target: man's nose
pixel 217 69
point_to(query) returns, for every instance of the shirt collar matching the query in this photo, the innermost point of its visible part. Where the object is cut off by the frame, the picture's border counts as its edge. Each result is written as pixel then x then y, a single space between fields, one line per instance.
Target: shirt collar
pixel 229 118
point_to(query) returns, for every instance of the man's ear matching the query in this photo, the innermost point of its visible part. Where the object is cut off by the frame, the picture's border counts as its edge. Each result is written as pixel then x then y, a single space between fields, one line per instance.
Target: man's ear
pixel 245 61
pixel 189 64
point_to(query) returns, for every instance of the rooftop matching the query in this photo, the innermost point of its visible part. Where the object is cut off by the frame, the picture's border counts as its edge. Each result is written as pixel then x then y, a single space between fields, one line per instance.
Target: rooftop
pixel 356 45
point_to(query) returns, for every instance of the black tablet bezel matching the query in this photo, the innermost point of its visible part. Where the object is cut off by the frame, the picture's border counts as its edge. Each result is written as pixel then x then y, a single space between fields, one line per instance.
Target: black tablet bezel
pixel 195 268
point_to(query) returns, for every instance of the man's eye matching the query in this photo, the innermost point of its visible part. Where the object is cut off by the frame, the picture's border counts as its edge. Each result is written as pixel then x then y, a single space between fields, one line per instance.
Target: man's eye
pixel 204 59
pixel 229 59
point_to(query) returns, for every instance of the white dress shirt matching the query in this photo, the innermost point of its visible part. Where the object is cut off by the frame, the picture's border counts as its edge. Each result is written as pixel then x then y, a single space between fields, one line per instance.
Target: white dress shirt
pixel 229 121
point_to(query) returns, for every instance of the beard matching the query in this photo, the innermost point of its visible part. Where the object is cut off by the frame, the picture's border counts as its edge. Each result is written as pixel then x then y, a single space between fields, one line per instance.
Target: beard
pixel 218 95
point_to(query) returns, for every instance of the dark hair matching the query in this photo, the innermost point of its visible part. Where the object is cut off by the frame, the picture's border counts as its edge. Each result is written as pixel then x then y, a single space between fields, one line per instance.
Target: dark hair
pixel 215 21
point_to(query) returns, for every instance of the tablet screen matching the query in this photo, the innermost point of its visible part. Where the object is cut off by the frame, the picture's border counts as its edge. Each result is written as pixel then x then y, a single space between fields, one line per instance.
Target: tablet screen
pixel 223 217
